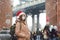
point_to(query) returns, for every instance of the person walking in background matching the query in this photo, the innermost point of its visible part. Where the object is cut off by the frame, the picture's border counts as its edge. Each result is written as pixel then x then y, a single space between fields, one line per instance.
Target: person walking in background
pixel 54 33
pixel 22 32
pixel 34 36
pixel 38 35
pixel 50 28
pixel 46 32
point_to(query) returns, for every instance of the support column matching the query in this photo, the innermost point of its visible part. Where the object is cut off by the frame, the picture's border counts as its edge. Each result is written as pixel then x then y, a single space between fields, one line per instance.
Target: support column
pixel 32 22
pixel 37 23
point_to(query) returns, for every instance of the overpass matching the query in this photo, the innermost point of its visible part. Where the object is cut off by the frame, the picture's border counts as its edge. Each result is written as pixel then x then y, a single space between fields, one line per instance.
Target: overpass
pixel 28 4
pixel 32 9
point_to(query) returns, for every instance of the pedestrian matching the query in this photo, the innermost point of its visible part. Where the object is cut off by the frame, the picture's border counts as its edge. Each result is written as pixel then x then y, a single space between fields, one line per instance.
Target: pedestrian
pixel 54 33
pixel 50 28
pixel 38 36
pixel 46 32
pixel 41 35
pixel 45 35
pixel 34 36
pixel 22 32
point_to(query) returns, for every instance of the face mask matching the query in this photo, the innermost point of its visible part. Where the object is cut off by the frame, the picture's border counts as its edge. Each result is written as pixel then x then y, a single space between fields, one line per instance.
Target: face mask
pixel 23 17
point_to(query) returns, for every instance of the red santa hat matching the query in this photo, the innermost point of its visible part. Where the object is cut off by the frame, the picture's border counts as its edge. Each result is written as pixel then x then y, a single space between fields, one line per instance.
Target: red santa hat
pixel 19 13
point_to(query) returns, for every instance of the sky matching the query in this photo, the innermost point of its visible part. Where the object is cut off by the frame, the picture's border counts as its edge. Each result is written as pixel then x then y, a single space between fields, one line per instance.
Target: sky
pixel 15 2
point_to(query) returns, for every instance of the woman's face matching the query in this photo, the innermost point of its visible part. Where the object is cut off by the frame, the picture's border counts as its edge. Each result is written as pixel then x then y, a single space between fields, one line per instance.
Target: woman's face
pixel 23 17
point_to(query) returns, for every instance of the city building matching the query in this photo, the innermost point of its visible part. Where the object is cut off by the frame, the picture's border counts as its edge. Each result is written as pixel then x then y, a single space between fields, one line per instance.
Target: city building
pixel 53 12
pixel 5 13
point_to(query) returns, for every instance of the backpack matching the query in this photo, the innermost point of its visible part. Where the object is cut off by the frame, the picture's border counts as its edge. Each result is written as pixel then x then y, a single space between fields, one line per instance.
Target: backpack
pixel 12 30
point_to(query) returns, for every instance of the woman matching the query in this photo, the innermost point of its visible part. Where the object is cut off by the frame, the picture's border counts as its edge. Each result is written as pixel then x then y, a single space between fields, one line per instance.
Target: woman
pixel 22 32
pixel 46 32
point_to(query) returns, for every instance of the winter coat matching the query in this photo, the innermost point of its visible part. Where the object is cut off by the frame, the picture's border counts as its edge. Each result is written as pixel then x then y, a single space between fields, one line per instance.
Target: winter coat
pixel 22 32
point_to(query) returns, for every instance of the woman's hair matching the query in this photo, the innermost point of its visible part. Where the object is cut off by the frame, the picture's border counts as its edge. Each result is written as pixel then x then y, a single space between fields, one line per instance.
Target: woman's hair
pixel 46 27
pixel 20 17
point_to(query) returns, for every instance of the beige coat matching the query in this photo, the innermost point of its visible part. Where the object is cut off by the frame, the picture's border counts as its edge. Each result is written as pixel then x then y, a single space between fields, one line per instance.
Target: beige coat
pixel 22 31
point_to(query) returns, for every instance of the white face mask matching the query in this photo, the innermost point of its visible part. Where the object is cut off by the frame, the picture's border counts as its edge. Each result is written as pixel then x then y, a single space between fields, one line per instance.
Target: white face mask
pixel 23 17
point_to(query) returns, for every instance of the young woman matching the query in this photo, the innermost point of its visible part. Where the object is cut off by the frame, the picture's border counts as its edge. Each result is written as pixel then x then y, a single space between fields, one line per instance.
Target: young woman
pixel 22 32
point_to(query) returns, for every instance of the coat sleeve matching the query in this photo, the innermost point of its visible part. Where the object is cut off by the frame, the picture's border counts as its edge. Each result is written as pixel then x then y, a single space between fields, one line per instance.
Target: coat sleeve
pixel 17 30
pixel 28 36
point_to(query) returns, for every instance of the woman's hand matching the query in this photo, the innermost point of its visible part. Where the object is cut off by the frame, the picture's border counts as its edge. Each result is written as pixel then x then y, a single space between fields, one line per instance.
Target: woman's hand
pixel 22 35
pixel 28 36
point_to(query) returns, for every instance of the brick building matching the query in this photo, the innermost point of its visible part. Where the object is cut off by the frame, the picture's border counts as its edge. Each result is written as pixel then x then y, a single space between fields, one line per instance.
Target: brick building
pixel 5 13
pixel 53 12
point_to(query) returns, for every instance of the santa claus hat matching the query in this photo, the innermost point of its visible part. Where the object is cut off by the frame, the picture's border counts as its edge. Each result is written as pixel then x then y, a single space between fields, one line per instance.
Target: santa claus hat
pixel 19 13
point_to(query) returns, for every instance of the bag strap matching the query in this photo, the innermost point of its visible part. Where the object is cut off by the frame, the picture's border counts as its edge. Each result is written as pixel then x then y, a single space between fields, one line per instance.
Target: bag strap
pixel 20 26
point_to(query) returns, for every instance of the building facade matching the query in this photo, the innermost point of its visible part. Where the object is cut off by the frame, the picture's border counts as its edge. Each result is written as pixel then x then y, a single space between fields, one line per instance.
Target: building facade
pixel 53 12
pixel 5 13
